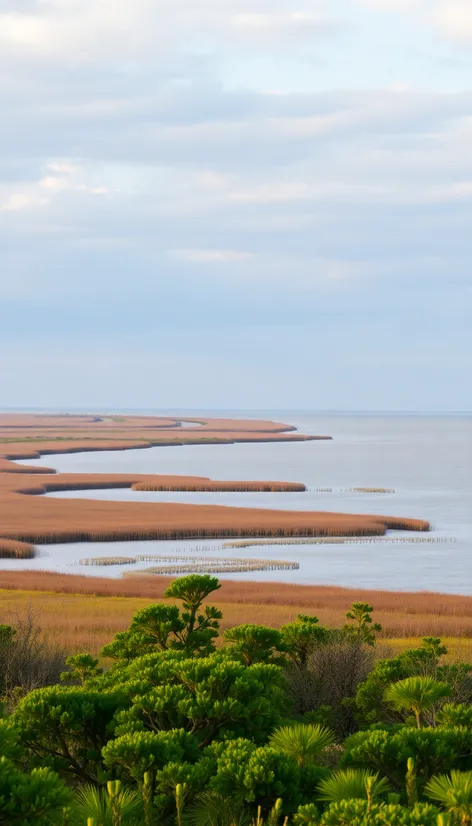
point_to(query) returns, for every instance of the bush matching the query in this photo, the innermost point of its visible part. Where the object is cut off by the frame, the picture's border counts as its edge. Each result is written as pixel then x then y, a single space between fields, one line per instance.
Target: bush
pixel 212 697
pixel 329 682
pixel 356 813
pixel 66 729
pixel 37 798
pixel 455 715
pixel 261 775
pixel 132 755
pixel 28 659
pixel 435 751
pixel 371 705
pixel 254 644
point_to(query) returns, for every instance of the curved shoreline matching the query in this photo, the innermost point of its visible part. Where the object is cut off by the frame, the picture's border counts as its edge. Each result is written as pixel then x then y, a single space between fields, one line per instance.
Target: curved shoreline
pixel 127 433
pixel 27 517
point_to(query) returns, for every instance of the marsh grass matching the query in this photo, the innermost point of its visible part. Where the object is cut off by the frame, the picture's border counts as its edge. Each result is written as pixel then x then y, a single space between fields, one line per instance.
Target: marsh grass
pixel 339 540
pixel 11 549
pixel 373 490
pixel 249 526
pixel 355 490
pixel 84 612
pixel 208 486
pixel 216 565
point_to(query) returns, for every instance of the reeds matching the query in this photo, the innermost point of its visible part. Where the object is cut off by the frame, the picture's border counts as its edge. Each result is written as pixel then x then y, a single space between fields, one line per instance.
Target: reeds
pixel 339 540
pixel 58 536
pixel 11 549
pixel 96 521
pixel 373 490
pixel 209 485
pixel 216 565
pixel 108 560
pixel 353 490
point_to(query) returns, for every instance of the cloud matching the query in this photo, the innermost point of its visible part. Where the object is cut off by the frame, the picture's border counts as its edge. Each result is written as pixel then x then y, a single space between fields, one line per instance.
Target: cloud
pixel 452 19
pixel 18 200
pixel 152 187
pixel 23 196
pixel 88 32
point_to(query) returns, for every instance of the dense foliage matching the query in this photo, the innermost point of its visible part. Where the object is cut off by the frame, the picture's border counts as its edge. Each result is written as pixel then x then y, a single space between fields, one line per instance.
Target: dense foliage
pixel 177 725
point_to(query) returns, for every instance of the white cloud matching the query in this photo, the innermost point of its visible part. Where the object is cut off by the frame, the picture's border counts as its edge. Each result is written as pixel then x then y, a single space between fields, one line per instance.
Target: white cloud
pixel 17 201
pixel 451 19
pixel 50 182
pixel 87 31
pixel 454 20
pixel 23 196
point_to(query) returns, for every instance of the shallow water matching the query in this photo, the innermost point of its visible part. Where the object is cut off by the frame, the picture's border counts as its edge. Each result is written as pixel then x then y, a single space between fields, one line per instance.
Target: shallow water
pixel 427 460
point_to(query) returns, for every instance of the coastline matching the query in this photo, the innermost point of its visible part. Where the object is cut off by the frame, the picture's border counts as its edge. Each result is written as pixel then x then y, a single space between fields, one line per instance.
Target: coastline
pixel 28 517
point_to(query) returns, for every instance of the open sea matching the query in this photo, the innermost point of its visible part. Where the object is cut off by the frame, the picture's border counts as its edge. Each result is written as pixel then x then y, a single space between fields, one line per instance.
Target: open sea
pixel 425 460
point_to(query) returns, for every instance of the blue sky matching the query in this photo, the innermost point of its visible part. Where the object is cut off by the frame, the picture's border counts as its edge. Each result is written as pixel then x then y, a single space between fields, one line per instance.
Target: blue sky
pixel 236 203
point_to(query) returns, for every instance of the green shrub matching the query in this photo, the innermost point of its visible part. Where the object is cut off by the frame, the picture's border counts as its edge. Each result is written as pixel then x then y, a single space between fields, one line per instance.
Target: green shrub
pixel 433 750
pixel 357 813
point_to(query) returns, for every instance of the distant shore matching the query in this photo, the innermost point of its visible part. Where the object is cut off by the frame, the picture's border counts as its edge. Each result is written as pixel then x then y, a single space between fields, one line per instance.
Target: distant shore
pixel 31 518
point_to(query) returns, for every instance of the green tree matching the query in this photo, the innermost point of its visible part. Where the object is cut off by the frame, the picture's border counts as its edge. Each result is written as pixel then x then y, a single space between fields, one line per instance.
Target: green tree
pixel 371 706
pixel 66 728
pixel 361 627
pixel 199 629
pixel 130 756
pixel 161 627
pixel 37 798
pixel 454 792
pixel 154 628
pixel 209 696
pixel 255 643
pixel 417 695
pixel 82 668
pixel 303 742
pixel 257 775
pixel 301 637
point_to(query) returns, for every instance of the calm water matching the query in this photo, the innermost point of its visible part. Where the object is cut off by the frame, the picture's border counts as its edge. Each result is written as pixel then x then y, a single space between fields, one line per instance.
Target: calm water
pixel 427 460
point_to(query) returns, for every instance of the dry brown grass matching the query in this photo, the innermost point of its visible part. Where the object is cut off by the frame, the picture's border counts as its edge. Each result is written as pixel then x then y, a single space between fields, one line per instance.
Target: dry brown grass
pixel 29 518
pixel 208 485
pixel 29 436
pixel 12 549
pixel 85 612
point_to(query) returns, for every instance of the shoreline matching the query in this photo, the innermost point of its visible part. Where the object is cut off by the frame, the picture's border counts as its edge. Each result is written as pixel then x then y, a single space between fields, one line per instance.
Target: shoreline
pixel 125 433
pixel 28 517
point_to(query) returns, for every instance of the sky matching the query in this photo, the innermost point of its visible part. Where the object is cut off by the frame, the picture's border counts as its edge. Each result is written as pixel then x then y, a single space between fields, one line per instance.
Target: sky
pixel 236 204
